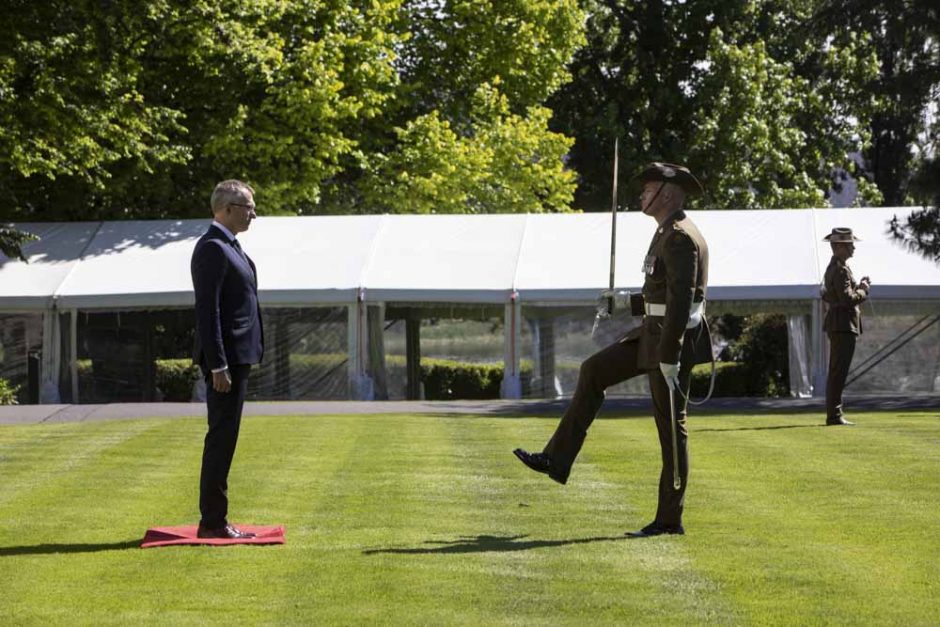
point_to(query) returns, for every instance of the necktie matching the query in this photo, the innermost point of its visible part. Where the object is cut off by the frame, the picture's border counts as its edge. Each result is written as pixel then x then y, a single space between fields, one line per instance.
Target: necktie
pixel 241 252
pixel 238 247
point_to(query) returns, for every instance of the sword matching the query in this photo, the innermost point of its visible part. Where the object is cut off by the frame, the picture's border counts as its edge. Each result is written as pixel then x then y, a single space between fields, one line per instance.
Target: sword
pixel 613 229
pixel 601 314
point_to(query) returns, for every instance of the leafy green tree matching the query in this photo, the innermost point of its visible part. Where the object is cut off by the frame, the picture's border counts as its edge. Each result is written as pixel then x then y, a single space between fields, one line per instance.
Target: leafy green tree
pixel 468 132
pixel 11 242
pixel 504 163
pixel 70 109
pixel 455 46
pixel 920 231
pixel 904 157
pixel 135 108
pixel 765 135
pixel 904 37
pixel 744 92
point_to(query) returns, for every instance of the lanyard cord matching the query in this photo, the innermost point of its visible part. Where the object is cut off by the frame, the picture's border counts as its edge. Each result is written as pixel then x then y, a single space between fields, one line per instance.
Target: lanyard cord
pixel 711 383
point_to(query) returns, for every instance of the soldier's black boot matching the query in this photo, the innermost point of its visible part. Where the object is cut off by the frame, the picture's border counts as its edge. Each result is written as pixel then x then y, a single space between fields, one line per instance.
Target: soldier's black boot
pixel 657 529
pixel 540 462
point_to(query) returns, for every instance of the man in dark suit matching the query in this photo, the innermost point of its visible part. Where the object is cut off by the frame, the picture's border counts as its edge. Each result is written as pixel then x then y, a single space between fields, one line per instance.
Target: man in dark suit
pixel 229 339
pixel 843 323
pixel 674 337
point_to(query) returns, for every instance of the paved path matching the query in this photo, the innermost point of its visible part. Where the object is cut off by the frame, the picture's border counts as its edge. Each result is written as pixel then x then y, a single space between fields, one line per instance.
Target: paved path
pixel 35 414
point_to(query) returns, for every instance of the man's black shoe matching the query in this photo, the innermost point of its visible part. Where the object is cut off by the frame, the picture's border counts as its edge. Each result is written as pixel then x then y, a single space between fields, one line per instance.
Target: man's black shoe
pixel 540 462
pixel 227 532
pixel 656 529
pixel 837 422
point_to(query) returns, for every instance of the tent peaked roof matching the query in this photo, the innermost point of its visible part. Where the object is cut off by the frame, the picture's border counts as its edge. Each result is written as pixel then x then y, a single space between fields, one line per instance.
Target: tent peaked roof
pixel 546 258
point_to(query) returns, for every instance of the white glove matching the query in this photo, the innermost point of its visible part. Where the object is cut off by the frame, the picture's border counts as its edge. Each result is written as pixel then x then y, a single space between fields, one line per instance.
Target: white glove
pixel 671 374
pixel 621 299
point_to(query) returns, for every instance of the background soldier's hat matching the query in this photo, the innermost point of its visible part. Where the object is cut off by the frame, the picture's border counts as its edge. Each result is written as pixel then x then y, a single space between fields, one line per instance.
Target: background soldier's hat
pixel 669 173
pixel 841 234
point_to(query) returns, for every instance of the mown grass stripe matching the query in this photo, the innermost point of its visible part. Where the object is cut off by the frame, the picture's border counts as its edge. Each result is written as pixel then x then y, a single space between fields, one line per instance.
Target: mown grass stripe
pixel 800 521
pixel 625 453
pixel 467 535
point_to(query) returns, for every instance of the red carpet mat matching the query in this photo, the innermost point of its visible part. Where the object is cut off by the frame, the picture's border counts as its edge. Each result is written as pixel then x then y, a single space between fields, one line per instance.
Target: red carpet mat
pixel 165 536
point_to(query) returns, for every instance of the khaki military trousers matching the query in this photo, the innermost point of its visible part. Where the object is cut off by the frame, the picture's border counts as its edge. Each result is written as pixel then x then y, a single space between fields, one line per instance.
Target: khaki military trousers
pixel 612 365
pixel 841 351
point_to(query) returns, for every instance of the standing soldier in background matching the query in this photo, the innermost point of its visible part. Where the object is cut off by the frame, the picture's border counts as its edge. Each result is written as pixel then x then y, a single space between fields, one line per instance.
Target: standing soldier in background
pixel 843 321
pixel 673 337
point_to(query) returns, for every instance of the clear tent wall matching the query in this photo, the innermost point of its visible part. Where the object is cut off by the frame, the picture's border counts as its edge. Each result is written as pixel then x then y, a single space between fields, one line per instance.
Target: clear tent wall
pixel 142 355
pixel 20 354
pixel 146 355
pixel 898 353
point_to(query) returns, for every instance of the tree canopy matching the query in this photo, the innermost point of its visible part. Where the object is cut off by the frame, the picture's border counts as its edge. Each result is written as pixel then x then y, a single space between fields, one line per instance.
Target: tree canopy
pixel 11 242
pixel 759 104
pixel 134 109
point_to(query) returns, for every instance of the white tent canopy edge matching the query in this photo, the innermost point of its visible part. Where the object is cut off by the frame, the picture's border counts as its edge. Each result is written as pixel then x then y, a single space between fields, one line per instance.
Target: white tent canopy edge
pixel 758 256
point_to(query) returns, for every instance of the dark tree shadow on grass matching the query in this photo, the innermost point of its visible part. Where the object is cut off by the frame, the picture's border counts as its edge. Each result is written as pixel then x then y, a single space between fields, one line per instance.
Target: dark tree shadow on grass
pixel 52 549
pixel 760 428
pixel 488 544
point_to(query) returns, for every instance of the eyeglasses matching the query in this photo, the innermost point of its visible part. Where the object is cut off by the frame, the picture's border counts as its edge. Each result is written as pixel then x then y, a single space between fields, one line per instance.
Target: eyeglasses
pixel 248 207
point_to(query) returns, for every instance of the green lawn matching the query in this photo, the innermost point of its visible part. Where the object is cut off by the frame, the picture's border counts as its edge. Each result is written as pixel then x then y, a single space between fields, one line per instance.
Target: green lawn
pixel 423 519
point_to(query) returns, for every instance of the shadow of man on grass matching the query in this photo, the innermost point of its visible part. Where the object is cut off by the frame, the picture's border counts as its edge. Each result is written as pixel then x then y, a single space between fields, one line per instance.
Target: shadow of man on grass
pixel 52 549
pixel 488 544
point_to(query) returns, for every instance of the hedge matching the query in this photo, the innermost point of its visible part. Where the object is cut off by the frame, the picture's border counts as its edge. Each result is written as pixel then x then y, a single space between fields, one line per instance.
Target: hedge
pixel 450 380
pixel 175 379
pixel 731 379
pixel 443 379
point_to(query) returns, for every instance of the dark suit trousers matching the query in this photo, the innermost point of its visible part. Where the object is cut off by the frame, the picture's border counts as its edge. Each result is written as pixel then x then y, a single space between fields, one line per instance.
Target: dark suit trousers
pixel 612 365
pixel 225 416
pixel 841 351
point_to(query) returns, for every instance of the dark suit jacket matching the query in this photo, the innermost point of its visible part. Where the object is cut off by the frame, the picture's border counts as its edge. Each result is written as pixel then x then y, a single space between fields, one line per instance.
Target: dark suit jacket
pixel 676 269
pixel 228 316
pixel 843 295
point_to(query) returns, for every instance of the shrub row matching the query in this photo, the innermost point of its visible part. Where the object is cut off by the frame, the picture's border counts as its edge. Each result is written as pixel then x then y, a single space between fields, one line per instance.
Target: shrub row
pixel 451 380
pixel 443 379
pixel 175 378
pixel 731 379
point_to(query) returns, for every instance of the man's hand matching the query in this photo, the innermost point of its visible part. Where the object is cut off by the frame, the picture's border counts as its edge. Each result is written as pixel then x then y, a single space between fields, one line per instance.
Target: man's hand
pixel 865 284
pixel 222 381
pixel 671 374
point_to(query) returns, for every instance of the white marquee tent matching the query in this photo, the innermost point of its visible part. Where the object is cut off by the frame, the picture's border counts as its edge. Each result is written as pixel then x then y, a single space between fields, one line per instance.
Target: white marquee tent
pixel 764 260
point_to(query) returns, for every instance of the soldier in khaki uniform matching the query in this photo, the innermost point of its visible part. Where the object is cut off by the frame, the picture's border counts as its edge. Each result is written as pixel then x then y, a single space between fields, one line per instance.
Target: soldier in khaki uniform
pixel 843 323
pixel 674 337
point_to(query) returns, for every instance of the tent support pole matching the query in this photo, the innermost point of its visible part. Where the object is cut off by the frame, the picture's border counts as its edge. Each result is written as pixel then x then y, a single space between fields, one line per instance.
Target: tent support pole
pixel 511 387
pixel 413 356
pixel 820 349
pixel 73 353
pixel 376 350
pixel 360 385
pixel 546 348
pixel 51 357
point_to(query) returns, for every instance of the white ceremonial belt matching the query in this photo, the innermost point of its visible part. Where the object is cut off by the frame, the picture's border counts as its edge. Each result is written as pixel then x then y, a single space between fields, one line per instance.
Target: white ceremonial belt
pixel 695 314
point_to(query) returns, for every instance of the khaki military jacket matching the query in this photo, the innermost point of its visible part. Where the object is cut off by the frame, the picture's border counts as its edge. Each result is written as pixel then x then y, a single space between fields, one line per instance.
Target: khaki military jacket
pixel 676 269
pixel 843 295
